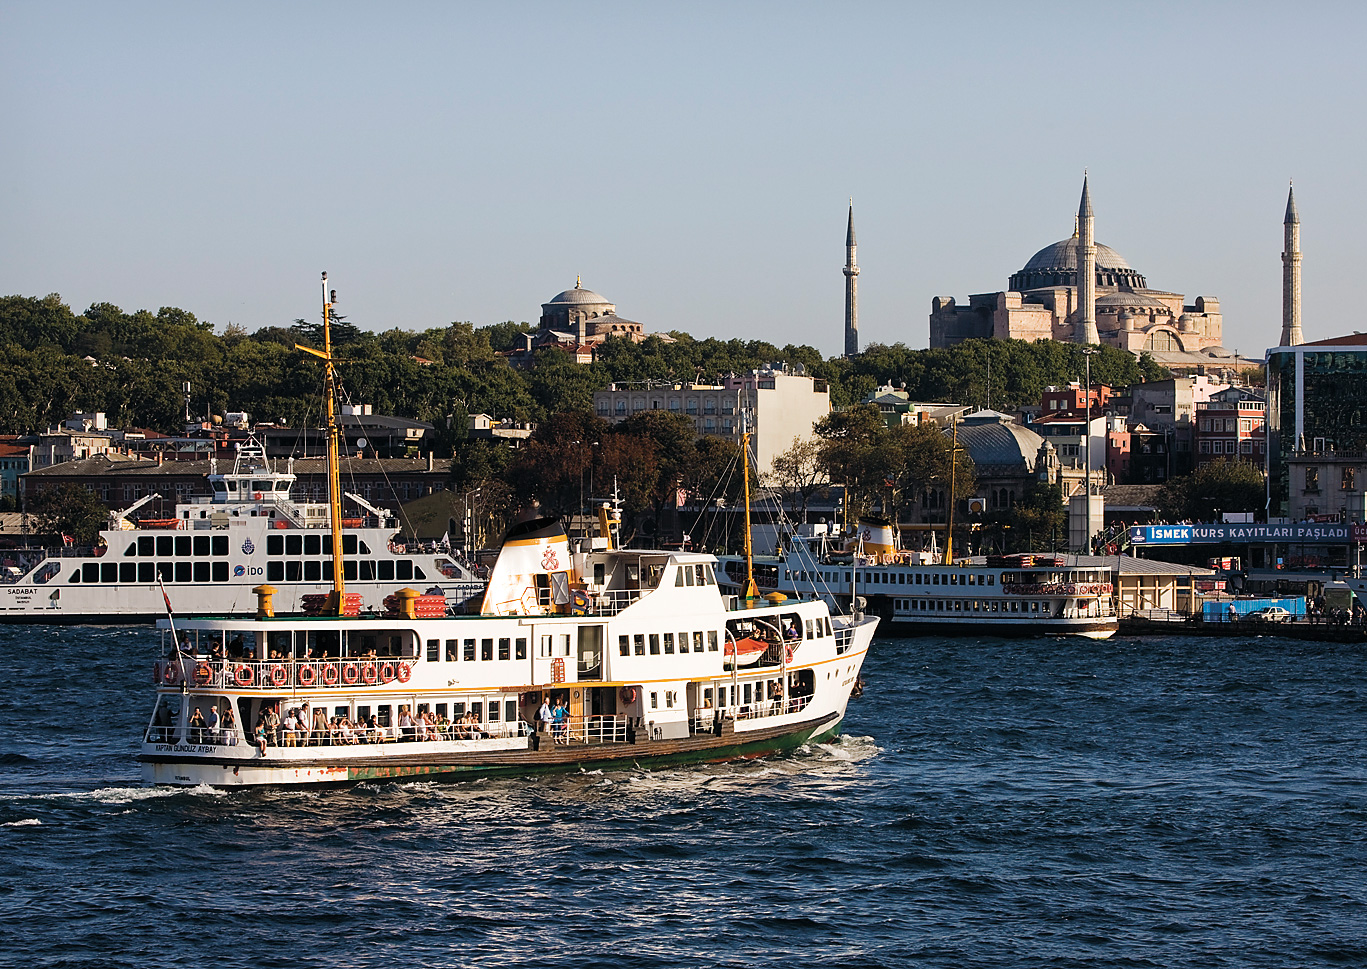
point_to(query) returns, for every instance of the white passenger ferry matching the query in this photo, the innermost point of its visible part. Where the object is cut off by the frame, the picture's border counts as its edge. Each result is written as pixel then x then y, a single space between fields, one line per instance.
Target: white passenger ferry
pixel 915 594
pixel 597 656
pixel 215 550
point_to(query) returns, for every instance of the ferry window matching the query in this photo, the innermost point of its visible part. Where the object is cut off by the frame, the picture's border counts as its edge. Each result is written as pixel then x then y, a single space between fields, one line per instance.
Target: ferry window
pixel 669 699
pixel 707 697
pixel 364 548
pixel 275 544
pixel 165 546
pixel 294 571
pixel 128 572
pixel 165 572
pixel 367 570
pixel 275 571
pixel 700 574
pixel 294 545
pixel 313 545
pixel 382 715
pixel 747 694
pixel 679 579
pixel 477 708
pixel 654 644
pixel 182 544
pixel 543 651
pixel 452 650
pixel 418 573
pixel 639 644
pixel 90 572
pixel 440 710
pixel 510 711
pixel 504 648
pixel 313 571
pixel 486 649
pixel 711 576
pixel 219 544
pixel 654 701
pixel 363 713
pixel 348 544
pixel 916 579
pixel 683 642
pixel 520 648
pixel 182 572
pixel 669 643
pixel 711 640
pixel 809 630
pixel 469 650
pixel 599 573
pixel 565 644
pixel 349 571
pixel 146 545
pixel 493 710
pixel 433 650
pixel 403 569
pixel 385 572
pixel 623 645
pixel 147 572
pixel 697 642
pixel 457 710
pixel 991 579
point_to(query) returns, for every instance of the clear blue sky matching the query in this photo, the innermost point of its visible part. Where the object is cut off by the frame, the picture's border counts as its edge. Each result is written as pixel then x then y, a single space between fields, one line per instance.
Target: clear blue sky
pixel 466 161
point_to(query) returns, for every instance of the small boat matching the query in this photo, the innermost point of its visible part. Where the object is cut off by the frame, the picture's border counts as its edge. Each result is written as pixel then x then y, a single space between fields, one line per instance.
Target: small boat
pixel 595 656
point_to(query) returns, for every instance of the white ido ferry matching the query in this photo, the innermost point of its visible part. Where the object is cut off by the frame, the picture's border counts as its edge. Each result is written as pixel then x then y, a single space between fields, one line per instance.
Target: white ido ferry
pixel 215 550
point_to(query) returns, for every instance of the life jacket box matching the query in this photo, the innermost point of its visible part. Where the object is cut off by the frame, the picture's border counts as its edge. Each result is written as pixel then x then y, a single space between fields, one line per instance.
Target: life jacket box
pixel 315 603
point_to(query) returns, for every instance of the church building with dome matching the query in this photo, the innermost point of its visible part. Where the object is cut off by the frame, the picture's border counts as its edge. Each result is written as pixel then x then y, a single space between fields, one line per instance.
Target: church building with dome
pixel 578 321
pixel 1113 304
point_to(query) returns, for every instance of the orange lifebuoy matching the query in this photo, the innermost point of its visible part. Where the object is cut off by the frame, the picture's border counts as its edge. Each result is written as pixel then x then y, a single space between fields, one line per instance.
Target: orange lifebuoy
pixel 279 675
pixel 171 674
pixel 405 672
pixel 243 675
pixel 307 676
pixel 386 672
pixel 257 496
pixel 368 674
pixel 203 674
pixel 330 674
pixel 628 694
pixel 350 674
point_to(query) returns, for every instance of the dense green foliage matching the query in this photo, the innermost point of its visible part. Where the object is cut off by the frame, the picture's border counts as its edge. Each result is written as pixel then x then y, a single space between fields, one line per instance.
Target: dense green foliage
pixel 1219 486
pixel 139 361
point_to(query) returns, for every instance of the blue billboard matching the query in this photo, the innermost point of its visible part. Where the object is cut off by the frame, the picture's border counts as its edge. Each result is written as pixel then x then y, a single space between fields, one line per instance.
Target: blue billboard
pixel 1299 533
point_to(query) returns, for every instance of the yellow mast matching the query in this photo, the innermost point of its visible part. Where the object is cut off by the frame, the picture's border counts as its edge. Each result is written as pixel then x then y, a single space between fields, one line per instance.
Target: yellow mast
pixel 751 590
pixel 337 598
pixel 953 453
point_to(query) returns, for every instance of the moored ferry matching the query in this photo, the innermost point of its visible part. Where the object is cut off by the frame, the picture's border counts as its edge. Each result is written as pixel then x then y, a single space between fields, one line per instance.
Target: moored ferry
pixel 916 594
pixel 250 530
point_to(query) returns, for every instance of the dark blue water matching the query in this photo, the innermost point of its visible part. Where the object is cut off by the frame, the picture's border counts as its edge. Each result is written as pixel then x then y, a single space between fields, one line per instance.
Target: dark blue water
pixel 1173 802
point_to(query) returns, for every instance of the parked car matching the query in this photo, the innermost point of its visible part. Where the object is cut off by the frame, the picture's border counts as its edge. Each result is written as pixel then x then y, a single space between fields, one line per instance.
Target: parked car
pixel 1270 614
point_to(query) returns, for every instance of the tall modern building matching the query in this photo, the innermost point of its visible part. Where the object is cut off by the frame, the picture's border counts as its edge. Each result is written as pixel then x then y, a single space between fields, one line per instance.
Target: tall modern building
pixel 851 290
pixel 1291 274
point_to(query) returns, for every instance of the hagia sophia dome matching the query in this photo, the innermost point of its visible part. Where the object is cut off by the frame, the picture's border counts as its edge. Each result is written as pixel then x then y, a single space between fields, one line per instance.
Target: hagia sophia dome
pixel 1056 265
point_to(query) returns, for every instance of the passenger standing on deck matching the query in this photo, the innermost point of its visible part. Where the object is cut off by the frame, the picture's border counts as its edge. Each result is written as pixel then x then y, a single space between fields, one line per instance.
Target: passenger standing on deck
pixel 545 715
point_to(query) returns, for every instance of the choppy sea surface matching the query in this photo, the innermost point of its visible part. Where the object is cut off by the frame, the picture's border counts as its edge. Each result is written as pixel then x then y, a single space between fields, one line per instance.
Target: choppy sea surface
pixel 1164 802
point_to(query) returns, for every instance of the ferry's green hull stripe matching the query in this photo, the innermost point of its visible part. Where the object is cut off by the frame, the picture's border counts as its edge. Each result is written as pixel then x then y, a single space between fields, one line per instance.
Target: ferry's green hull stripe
pixel 729 752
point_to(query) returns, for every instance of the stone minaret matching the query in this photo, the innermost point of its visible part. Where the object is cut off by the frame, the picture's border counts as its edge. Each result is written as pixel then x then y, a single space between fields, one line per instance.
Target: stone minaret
pixel 1291 275
pixel 1086 270
pixel 851 292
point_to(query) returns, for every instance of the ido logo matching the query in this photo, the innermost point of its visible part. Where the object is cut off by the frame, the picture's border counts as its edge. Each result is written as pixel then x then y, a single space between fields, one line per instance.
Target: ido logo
pixel 241 570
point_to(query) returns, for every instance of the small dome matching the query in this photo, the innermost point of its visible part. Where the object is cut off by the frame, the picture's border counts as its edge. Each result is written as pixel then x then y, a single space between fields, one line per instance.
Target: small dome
pixel 1131 300
pixel 577 295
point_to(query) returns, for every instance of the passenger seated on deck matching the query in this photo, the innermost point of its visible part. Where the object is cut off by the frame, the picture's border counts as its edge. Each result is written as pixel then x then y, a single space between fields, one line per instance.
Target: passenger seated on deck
pixel 261 733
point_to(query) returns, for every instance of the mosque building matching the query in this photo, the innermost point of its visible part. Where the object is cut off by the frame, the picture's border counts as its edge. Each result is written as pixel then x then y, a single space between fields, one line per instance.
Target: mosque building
pixel 1112 305
pixel 578 321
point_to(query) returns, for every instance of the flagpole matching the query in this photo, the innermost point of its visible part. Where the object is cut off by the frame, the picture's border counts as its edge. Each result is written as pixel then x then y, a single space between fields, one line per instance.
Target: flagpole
pixel 171 621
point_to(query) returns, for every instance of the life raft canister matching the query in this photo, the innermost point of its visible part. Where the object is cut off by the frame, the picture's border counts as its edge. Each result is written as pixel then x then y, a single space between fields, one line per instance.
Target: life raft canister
pixel 307 676
pixel 203 674
pixel 243 675
pixel 330 674
pixel 405 672
pixel 279 675
pixel 350 674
